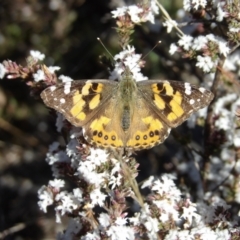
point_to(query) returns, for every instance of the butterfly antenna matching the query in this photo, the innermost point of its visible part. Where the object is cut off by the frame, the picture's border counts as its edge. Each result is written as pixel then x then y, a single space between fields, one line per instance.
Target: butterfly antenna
pixel 105 47
pixel 151 50
pixel 148 53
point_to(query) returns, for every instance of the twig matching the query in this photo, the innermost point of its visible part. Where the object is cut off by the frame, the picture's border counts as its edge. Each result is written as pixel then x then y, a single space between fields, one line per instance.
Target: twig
pixel 131 179
pixel 30 140
pixel 208 125
pixel 167 16
pixel 18 227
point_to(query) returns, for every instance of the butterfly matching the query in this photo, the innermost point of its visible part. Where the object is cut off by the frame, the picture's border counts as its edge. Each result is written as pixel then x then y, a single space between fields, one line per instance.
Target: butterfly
pixel 126 114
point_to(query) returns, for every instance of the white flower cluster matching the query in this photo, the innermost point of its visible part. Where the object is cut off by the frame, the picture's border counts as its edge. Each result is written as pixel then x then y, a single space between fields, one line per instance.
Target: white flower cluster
pixel 40 74
pixel 193 4
pixel 139 13
pixel 206 58
pixel 232 63
pixel 128 59
pixel 218 6
pixel 37 55
pixel 100 177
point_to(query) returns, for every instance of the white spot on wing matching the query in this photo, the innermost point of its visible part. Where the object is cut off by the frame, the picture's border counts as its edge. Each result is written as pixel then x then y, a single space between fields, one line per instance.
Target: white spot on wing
pixel 52 88
pixel 188 88
pixel 202 90
pixel 62 100
pixel 192 101
pixel 67 87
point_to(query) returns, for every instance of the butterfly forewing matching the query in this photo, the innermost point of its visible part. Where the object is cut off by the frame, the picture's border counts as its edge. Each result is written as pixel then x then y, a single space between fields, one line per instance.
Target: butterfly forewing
pixel 79 100
pixel 174 101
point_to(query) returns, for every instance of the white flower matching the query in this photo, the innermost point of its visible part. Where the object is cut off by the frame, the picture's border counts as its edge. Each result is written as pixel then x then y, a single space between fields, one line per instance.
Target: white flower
pixel 154 10
pixel 186 42
pixel 134 12
pixel 71 148
pixel 115 181
pixel 67 202
pixel 129 50
pixel 172 234
pixel 46 198
pixel 97 197
pixel 37 55
pixel 120 233
pixel 65 79
pixel 98 156
pixel 189 212
pixel 211 37
pixel 168 209
pixel 148 182
pixel 39 75
pixel 52 69
pixel 121 221
pixel 222 44
pixel 220 13
pixel 115 176
pixel 87 171
pixel 128 65
pixel 104 220
pixel 3 71
pixel 224 120
pixel 186 5
pixel 223 101
pixel 90 236
pixel 204 232
pixel 173 48
pixel 199 43
pixel 154 7
pixel 223 234
pixel 223 48
pixel 77 192
pixel 205 63
pixel 199 3
pixel 151 225
pixel 170 24
pixel 232 63
pixel 185 235
pixel 136 220
pixel 56 183
pixel 119 12
pixel 133 62
pixel 236 138
pixel 59 156
pixel 164 185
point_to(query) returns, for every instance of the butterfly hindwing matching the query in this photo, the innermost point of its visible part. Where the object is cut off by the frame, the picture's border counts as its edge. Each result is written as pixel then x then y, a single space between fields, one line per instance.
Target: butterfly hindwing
pixel 147 128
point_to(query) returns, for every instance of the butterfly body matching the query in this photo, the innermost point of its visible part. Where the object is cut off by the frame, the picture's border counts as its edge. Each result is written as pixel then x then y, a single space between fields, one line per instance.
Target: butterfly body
pixel 126 114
